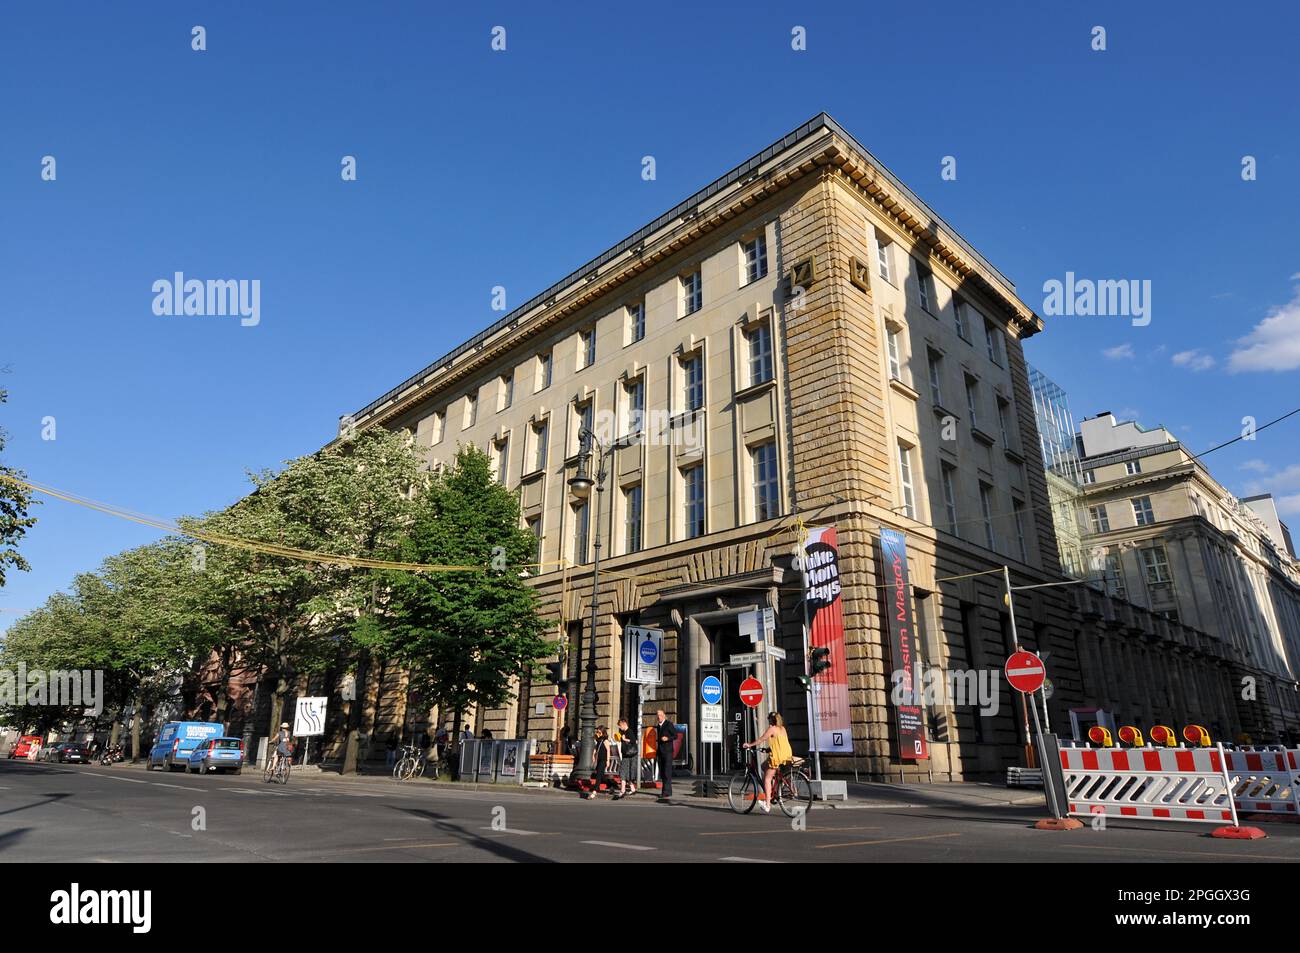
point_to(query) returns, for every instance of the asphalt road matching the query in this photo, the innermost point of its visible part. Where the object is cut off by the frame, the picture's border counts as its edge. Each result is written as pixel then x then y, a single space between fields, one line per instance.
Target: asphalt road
pixel 75 813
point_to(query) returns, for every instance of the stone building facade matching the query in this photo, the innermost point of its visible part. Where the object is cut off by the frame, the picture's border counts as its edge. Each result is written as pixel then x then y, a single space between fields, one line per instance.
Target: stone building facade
pixel 802 343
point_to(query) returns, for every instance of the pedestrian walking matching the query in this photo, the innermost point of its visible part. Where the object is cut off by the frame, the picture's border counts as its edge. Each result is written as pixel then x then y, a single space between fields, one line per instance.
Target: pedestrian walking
pixel 665 735
pixel 602 762
pixel 392 751
pixel 629 757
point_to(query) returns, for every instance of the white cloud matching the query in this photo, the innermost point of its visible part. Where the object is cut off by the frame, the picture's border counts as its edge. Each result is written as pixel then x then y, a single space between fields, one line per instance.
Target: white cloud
pixel 1258 466
pixel 1119 352
pixel 1288 505
pixel 1274 343
pixel 1193 360
pixel 1284 484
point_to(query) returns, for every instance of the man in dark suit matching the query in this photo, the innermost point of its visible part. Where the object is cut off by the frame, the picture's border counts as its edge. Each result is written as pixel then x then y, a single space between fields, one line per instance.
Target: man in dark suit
pixel 665 736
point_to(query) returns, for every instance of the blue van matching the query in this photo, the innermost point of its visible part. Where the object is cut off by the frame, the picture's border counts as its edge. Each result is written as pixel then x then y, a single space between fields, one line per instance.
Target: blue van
pixel 177 739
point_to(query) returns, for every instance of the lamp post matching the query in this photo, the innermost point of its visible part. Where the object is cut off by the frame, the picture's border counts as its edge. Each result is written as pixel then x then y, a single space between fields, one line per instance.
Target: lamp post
pixel 581 483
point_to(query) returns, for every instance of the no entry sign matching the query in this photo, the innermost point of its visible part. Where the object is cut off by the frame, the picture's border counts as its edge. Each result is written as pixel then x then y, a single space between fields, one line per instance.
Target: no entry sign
pixel 751 692
pixel 1026 672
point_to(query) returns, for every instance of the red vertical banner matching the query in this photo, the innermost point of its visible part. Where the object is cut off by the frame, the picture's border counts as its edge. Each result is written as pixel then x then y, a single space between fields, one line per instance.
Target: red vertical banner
pixel 834 725
pixel 904 646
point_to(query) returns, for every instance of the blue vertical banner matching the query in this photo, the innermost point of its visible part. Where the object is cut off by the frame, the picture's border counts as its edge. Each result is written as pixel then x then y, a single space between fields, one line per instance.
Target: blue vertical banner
pixel 904 646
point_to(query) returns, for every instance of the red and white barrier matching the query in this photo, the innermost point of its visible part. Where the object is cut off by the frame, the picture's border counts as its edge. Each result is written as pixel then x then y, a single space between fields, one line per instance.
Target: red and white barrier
pixel 1169 784
pixel 1265 781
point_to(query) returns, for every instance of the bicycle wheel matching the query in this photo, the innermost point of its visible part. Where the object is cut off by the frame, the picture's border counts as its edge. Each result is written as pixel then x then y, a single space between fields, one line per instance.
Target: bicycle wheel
pixel 794 793
pixel 742 792
pixel 268 775
pixel 418 770
pixel 284 771
pixel 399 769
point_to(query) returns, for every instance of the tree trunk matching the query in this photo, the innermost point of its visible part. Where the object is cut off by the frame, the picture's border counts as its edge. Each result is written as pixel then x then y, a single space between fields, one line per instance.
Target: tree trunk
pixel 356 711
pixel 135 728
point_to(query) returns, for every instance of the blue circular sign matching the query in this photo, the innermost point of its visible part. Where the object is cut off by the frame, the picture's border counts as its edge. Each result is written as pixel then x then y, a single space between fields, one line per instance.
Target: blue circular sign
pixel 649 652
pixel 560 702
pixel 711 690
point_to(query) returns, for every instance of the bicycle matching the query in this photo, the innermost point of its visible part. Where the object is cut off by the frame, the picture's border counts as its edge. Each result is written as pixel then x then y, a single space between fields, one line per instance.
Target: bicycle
pixel 791 787
pixel 410 765
pixel 277 768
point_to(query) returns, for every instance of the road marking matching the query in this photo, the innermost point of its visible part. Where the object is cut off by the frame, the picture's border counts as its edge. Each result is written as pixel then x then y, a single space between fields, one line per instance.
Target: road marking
pixel 366 850
pixel 746 860
pixel 888 840
pixel 787 830
pixel 610 843
pixel 114 777
pixel 1227 855
pixel 509 830
pixel 178 787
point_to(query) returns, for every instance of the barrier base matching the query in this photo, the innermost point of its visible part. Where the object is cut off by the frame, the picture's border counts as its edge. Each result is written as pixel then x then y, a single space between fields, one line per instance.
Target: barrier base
pixel 1238 833
pixel 1058 824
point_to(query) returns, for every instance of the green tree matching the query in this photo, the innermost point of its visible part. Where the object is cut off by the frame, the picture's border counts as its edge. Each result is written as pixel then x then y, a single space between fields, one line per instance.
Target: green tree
pixel 464 635
pixel 15 520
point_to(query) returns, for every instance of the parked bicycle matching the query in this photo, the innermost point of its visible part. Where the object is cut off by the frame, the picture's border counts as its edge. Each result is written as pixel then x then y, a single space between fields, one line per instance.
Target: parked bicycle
pixel 410 764
pixel 791 787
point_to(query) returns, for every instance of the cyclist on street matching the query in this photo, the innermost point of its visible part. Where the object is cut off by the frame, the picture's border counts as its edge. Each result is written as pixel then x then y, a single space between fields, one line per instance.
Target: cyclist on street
pixel 779 753
pixel 283 741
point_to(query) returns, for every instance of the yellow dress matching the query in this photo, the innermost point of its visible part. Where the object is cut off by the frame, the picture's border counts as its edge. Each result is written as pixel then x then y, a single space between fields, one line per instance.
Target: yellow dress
pixel 779 749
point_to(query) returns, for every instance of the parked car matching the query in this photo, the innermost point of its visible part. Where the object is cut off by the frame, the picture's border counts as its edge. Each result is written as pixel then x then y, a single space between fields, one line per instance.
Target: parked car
pixel 66 752
pixel 177 739
pixel 24 746
pixel 217 754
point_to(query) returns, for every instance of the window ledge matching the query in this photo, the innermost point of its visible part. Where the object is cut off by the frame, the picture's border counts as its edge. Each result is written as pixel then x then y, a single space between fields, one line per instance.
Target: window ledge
pixel 943 411
pixel 902 388
pixel 753 389
pixel 1013 454
pixel 981 436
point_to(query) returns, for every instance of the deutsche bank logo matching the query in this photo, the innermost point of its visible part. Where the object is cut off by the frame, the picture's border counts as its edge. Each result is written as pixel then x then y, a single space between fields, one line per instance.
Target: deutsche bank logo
pixel 648 652
pixel 837 738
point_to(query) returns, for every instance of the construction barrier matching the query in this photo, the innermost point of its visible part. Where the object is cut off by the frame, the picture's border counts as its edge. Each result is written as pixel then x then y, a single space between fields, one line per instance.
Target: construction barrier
pixel 1152 783
pixel 1265 780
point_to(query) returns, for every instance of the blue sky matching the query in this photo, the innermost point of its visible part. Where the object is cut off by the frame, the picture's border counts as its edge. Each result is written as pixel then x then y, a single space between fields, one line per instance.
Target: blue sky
pixel 478 168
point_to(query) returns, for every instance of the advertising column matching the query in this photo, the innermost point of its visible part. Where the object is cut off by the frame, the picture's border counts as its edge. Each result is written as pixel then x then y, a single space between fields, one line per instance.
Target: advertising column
pixel 905 687
pixel 826 631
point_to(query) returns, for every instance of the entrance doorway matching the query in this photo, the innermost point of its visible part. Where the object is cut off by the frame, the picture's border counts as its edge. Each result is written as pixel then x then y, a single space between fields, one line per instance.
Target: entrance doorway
pixel 738 721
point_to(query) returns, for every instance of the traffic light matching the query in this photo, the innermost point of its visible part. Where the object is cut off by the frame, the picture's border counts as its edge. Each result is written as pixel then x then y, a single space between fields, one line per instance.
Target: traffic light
pixel 818 661
pixel 555 670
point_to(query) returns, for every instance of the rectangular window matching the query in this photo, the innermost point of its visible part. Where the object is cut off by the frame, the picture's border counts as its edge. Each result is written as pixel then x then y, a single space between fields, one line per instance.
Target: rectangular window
pixel 1155 565
pixel 1142 511
pixel 884 256
pixel 759 338
pixel 1019 509
pixel 972 401
pixel 586 413
pixel 1115 584
pixel 905 481
pixel 693 484
pixel 925 289
pixel 767 504
pixel 534 525
pixel 507 390
pixel 949 496
pixel 692 293
pixel 588 347
pixel 895 365
pixel 1132 467
pixel 503 459
pixel 439 427
pixel 986 510
pixel 1003 423
pixel 539 446
pixel 1099 519
pixel 543 371
pixel 993 339
pixel 1089 477
pixel 693 381
pixel 936 377
pixel 635 322
pixel 756 257
pixel 581 532
pixel 471 411
pixel 959 316
pixel 634 395
pixel 632 517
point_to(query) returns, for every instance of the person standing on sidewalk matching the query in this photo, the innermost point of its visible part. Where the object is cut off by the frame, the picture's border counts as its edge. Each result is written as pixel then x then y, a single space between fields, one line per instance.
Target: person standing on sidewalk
pixel 392 751
pixel 629 757
pixel 665 735
pixel 602 762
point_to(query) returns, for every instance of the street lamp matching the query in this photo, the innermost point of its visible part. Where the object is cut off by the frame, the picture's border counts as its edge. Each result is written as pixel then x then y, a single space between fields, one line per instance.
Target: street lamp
pixel 581 483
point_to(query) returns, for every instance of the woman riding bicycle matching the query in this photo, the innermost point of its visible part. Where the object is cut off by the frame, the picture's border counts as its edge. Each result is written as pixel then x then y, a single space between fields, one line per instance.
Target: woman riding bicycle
pixel 282 745
pixel 779 753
